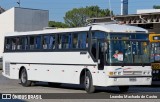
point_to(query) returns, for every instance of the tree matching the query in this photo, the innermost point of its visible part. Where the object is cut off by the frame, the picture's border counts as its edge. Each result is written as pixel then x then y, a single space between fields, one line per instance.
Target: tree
pixel 156 6
pixel 1 10
pixel 77 16
pixel 57 24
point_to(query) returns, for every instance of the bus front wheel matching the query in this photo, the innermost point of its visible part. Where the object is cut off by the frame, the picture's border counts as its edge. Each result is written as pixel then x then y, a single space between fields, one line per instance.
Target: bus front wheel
pixel 24 78
pixel 123 88
pixel 88 83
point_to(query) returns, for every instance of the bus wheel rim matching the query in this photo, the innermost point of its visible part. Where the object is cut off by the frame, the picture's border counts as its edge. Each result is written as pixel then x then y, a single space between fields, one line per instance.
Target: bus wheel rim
pixel 87 82
pixel 23 77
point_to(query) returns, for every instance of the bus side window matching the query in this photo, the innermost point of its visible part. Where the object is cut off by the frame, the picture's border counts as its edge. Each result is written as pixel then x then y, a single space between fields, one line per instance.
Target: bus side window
pixel 87 41
pixel 93 47
pixel 52 42
pixel 70 41
pixel 82 40
pixel 31 44
pixel 38 42
pixel 13 42
pixel 7 44
pixel 65 41
pixel 25 44
pixel 19 43
pixel 75 40
pixel 45 42
pixel 59 42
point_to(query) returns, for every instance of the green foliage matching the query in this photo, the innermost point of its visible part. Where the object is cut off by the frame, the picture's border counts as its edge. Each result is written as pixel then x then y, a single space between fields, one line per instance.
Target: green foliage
pixel 156 6
pixel 77 16
pixel 57 24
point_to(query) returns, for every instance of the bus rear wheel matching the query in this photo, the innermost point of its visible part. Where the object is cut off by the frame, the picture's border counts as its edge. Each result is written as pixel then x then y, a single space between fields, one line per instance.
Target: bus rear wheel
pixel 88 83
pixel 123 88
pixel 24 78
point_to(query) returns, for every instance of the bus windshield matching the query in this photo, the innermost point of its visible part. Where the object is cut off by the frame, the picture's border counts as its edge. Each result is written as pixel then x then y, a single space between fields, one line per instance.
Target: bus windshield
pixel 125 47
pixel 128 48
pixel 129 52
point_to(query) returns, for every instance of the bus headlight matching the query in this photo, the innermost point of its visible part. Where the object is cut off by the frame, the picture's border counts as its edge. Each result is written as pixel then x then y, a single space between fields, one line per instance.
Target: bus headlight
pixel 111 73
pixel 115 73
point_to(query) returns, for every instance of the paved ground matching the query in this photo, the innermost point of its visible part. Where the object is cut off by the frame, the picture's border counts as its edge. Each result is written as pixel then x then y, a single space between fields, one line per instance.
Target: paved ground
pixel 13 86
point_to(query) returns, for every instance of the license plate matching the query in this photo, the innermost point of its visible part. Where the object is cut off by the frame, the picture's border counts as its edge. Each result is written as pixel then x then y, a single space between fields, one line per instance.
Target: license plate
pixel 132 79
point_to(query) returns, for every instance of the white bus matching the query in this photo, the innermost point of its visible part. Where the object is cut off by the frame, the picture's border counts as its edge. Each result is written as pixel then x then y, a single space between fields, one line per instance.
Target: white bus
pixel 97 55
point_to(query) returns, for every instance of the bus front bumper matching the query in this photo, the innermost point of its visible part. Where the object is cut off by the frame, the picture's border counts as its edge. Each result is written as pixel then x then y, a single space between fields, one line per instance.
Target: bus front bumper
pixel 115 81
pixel 156 82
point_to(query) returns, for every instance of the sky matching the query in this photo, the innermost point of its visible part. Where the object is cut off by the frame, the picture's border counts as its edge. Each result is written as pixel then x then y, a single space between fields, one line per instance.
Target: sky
pixel 58 8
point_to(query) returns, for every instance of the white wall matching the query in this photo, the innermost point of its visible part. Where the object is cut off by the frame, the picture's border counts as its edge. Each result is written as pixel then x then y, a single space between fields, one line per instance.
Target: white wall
pixel 21 19
pixel 6 25
pixel 30 19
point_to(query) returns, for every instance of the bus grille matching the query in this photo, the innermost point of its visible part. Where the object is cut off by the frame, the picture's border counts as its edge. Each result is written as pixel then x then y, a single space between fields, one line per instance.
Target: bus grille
pixel 7 68
pixel 132 73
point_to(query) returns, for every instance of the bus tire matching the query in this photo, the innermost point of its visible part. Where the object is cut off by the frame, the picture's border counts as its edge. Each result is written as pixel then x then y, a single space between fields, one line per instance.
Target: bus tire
pixel 54 84
pixel 88 83
pixel 24 78
pixel 123 88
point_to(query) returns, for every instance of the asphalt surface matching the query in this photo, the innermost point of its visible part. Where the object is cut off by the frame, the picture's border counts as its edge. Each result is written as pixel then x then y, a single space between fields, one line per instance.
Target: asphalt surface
pixel 14 86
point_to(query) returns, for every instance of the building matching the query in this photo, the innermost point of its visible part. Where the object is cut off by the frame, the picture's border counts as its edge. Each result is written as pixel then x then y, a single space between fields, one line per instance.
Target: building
pixel 148 19
pixel 21 19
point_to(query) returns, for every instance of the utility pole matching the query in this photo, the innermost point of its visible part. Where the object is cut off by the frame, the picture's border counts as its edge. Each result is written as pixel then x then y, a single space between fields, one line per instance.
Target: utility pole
pixel 124 7
pixel 110 8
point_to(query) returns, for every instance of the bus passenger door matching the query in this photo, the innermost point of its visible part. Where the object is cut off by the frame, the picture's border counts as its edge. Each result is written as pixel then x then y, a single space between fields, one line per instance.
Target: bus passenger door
pixel 100 54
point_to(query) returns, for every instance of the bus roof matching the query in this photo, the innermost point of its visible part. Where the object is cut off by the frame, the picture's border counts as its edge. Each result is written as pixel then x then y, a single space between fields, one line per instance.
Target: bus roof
pixel 123 28
pixel 99 27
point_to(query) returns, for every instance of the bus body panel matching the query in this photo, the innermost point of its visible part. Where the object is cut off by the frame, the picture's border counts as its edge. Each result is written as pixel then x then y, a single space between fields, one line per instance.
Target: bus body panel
pixel 50 58
pixel 50 66
pixel 129 72
pixel 71 74
pixel 65 72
